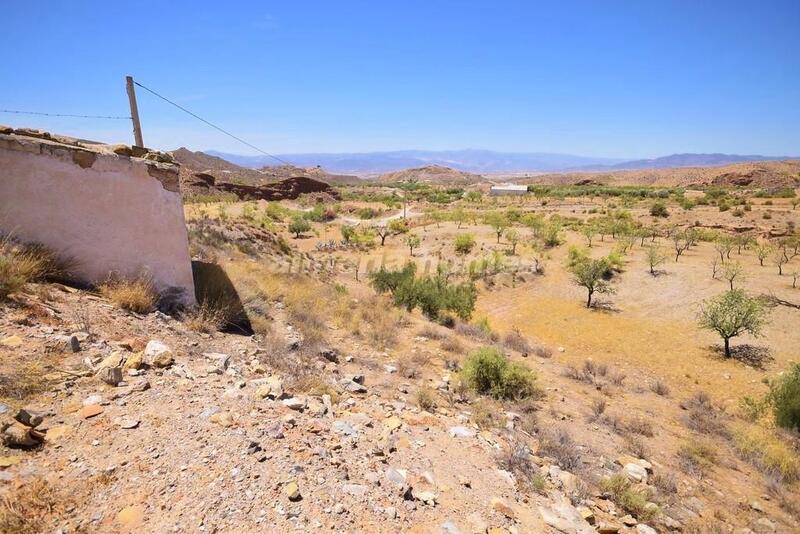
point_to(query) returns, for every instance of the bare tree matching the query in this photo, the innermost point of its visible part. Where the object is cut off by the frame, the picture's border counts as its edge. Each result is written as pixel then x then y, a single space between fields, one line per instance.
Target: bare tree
pixel 763 250
pixel 732 272
pixel 680 243
pixel 714 268
pixel 780 258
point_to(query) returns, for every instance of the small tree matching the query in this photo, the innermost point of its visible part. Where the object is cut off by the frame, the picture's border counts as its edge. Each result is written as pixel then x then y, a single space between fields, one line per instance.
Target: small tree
pixel 348 232
pixel 655 257
pixel 795 203
pixel 763 250
pixel 513 237
pixel 383 232
pixel 724 246
pixel 298 226
pixel 732 272
pixel 731 314
pixel 591 274
pixel 464 243
pixel 681 243
pixel 589 231
pixel 779 258
pixel 498 221
pixel 412 242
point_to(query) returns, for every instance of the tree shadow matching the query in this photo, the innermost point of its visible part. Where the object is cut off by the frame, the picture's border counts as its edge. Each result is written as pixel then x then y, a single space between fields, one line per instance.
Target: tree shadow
pixel 604 306
pixel 752 355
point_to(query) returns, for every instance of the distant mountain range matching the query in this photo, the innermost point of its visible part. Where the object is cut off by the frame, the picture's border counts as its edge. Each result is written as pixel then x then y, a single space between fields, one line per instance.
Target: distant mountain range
pixel 483 161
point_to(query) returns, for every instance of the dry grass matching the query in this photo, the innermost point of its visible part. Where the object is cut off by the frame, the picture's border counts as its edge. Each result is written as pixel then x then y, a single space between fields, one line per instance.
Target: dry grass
pixel 696 457
pixel 205 318
pixel 659 387
pixel 487 413
pixel 640 426
pixel 598 408
pixel 432 332
pixel 766 451
pixel 636 446
pixel 21 264
pixel 135 295
pixel 703 417
pixel 453 344
pixel 22 381
pixel 560 446
pixel 26 508
pixel 425 399
pixel 514 340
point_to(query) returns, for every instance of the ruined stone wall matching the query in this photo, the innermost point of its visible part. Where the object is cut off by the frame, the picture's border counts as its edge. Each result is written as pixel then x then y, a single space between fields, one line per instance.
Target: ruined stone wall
pixel 111 209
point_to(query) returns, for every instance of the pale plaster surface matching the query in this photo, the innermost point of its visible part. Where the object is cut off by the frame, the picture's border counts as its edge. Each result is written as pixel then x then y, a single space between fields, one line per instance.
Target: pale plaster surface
pixel 111 218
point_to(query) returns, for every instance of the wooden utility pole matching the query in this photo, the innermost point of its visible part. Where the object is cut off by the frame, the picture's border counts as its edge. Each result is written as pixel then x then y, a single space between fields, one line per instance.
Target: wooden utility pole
pixel 137 127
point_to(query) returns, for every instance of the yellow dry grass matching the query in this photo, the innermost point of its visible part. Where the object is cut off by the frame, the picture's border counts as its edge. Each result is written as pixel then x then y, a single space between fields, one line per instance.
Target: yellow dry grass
pixel 135 295
pixel 26 508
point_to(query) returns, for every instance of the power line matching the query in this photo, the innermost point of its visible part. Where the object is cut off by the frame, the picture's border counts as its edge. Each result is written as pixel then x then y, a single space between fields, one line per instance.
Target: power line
pixel 165 99
pixel 19 112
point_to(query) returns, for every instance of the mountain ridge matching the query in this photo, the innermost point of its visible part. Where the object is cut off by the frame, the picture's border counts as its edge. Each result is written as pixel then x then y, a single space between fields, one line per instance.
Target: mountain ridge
pixel 486 161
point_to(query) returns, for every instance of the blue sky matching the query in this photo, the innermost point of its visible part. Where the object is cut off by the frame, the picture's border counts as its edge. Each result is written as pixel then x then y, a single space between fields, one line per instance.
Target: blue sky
pixel 619 79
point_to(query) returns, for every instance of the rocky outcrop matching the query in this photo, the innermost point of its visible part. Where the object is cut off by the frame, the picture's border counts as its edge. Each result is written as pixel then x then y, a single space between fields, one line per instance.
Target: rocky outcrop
pixel 288 189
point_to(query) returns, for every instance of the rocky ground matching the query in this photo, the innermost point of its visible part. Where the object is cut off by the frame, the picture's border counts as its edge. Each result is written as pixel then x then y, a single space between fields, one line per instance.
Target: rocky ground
pixel 142 425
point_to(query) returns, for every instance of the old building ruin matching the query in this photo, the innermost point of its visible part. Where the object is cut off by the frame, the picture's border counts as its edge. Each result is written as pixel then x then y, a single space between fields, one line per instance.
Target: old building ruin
pixel 113 210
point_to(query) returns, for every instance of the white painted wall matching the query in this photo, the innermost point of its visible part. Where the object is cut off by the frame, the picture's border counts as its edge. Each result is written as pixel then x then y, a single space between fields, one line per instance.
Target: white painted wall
pixel 110 217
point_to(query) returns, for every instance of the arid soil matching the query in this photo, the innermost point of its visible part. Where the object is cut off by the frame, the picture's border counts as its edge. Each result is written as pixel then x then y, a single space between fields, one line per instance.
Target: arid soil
pixel 344 414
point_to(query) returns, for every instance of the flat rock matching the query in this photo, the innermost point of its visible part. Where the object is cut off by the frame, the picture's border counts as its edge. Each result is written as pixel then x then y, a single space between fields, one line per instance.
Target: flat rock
pixel 91 410
pixel 461 432
pixel 564 517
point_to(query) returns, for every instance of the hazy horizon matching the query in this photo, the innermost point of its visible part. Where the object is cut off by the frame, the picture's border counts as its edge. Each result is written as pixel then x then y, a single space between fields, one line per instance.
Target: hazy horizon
pixel 622 81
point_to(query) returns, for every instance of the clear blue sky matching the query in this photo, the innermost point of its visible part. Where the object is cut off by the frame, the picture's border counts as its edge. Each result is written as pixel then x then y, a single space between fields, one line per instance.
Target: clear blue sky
pixel 601 78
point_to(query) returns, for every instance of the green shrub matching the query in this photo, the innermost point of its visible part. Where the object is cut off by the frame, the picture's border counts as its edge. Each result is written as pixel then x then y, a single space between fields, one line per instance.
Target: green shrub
pixel 464 243
pixel 659 209
pixel 632 500
pixel 432 294
pixel 786 399
pixel 488 371
pixel 299 225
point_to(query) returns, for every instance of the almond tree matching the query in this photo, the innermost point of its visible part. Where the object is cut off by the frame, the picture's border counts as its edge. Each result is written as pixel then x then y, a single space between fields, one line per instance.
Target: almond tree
pixel 655 257
pixel 732 272
pixel 681 244
pixel 779 258
pixel 763 250
pixel 591 274
pixel 513 237
pixel 412 242
pixel 731 314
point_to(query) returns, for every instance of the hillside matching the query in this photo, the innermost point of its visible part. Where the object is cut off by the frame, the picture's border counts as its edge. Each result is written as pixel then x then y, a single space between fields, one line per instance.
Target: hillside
pixel 223 170
pixel 753 174
pixel 433 174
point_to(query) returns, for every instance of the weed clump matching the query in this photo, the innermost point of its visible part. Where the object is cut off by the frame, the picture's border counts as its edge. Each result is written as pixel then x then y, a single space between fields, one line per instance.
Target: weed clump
pixel 633 500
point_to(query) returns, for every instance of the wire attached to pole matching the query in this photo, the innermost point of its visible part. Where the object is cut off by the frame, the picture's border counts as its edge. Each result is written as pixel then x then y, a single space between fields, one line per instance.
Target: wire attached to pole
pixel 165 99
pixel 19 112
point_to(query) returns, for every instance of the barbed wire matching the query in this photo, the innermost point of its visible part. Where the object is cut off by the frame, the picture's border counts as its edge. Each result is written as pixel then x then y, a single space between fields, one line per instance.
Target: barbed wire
pixel 41 113
pixel 165 99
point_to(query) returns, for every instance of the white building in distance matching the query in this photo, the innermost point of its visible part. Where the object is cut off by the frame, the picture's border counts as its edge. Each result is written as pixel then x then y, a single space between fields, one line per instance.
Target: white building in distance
pixel 508 189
